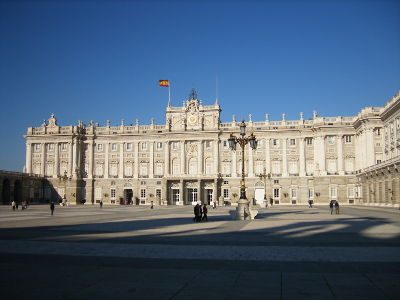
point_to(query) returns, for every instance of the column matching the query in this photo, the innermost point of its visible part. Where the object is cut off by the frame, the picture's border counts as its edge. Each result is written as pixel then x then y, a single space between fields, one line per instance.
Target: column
pixel 251 161
pixel 340 154
pixel 323 156
pixel 267 156
pixel 216 156
pixel 302 161
pixel 28 158
pixel 74 158
pixel 43 160
pixel 136 159
pixel 181 196
pixel 56 160
pixel 91 160
pixel 107 145
pixel 370 147
pixel 151 169
pixel 200 157
pixel 121 160
pixel 69 159
pixel 166 159
pixel 234 164
pixel 182 157
pixel 284 158
pixel 215 190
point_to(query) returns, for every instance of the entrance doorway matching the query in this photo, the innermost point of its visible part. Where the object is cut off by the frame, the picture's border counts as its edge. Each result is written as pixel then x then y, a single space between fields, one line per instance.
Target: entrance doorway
pixel 175 196
pixel 128 196
pixel 259 195
pixel 192 196
pixel 209 196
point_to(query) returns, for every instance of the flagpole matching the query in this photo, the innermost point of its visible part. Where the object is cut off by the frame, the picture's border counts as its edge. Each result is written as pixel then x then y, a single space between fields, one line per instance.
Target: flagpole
pixel 169 94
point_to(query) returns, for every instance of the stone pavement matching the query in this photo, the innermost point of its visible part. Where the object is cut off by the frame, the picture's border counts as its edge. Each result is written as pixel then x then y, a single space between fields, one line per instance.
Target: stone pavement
pixel 123 252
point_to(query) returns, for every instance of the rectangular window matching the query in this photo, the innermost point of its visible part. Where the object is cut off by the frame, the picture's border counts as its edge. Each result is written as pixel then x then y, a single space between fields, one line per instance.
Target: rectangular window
pixel 331 140
pixel 309 167
pixel 350 191
pixel 332 166
pixel 275 142
pixel 276 181
pixel 112 193
pixel 50 147
pixel 159 169
pixel 309 141
pixel 378 131
pixel 36 147
pixel 129 147
pixel 333 193
pixel 144 146
pixel 113 147
pixel 277 193
pixel 276 167
pixel 113 169
pixel 159 145
pixel 292 142
pixel 99 147
pixel 311 193
pixel 293 193
pixel 128 169
pixel 226 144
pixel 143 193
pixel 208 144
pixel 226 193
pixel 143 169
pixel 226 181
pixel 347 139
pixel 64 146
pixel 158 193
pixel 293 170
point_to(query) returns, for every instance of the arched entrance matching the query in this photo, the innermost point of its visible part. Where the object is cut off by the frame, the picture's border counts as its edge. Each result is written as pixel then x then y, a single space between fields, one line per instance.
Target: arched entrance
pixel 5 195
pixel 18 191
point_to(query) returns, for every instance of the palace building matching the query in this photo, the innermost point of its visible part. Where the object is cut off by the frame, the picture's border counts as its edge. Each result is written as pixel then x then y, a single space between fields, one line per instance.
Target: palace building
pixel 353 159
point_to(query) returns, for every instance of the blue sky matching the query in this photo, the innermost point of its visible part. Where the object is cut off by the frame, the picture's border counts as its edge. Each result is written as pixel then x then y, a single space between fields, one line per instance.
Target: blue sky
pixel 99 60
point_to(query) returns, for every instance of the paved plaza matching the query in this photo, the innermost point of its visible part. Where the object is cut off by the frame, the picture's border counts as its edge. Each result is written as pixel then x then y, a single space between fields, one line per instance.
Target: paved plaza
pixel 129 252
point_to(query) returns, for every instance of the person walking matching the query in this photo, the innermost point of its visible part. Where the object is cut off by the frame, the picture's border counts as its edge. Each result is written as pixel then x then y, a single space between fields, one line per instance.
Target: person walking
pixel 337 207
pixel 310 203
pixel 331 206
pixel 52 207
pixel 205 211
pixel 271 201
pixel 196 212
pixel 101 203
pixel 152 205
pixel 13 205
pixel 214 204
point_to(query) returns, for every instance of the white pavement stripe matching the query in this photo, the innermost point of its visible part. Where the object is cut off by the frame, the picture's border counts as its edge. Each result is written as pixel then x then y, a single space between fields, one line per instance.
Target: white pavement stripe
pixel 256 253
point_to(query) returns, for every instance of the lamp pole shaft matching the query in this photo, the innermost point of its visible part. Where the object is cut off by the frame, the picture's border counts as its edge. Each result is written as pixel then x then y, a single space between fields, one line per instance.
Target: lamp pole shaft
pixel 242 185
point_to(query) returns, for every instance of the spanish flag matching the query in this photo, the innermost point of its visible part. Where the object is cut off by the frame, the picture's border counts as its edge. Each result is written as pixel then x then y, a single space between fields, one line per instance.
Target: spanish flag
pixel 164 82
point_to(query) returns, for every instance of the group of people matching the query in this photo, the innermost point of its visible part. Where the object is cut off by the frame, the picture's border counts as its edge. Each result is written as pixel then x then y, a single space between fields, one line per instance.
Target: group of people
pixel 200 213
pixel 24 205
pixel 334 204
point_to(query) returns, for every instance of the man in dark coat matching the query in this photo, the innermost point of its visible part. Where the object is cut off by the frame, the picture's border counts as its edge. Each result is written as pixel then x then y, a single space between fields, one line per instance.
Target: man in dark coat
pixel 52 207
pixel 197 213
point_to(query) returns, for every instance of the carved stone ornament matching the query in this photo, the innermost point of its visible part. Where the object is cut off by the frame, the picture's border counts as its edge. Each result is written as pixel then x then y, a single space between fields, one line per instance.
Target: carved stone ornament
pixel 191 147
pixel 209 185
pixel 175 185
pixel 191 184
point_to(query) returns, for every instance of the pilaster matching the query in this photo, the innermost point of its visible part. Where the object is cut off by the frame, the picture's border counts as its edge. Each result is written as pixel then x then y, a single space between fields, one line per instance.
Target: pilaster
pixel 302 157
pixel 284 158
pixel 340 154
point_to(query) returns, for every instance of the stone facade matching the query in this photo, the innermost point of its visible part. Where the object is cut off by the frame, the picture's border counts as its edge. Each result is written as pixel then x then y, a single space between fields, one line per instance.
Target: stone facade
pixel 187 159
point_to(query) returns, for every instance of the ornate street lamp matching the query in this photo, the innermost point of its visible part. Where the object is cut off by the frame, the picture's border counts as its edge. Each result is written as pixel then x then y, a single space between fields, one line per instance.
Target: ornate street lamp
pixel 243 211
pixel 264 177
pixel 64 179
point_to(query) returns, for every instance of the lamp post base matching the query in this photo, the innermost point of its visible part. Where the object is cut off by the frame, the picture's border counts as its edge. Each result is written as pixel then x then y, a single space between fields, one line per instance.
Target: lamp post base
pixel 243 210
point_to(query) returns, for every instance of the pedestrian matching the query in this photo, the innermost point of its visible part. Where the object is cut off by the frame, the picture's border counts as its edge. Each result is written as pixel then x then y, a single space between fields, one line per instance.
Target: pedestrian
pixel 205 211
pixel 331 206
pixel 52 207
pixel 196 212
pixel 16 205
pixel 337 207
pixel 310 203
pixel 214 204
pixel 152 205
pixel 13 205
pixel 101 203
pixel 271 201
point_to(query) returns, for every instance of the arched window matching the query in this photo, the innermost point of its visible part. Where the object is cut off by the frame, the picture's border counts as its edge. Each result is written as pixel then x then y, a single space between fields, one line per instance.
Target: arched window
pixel 175 167
pixel 192 166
